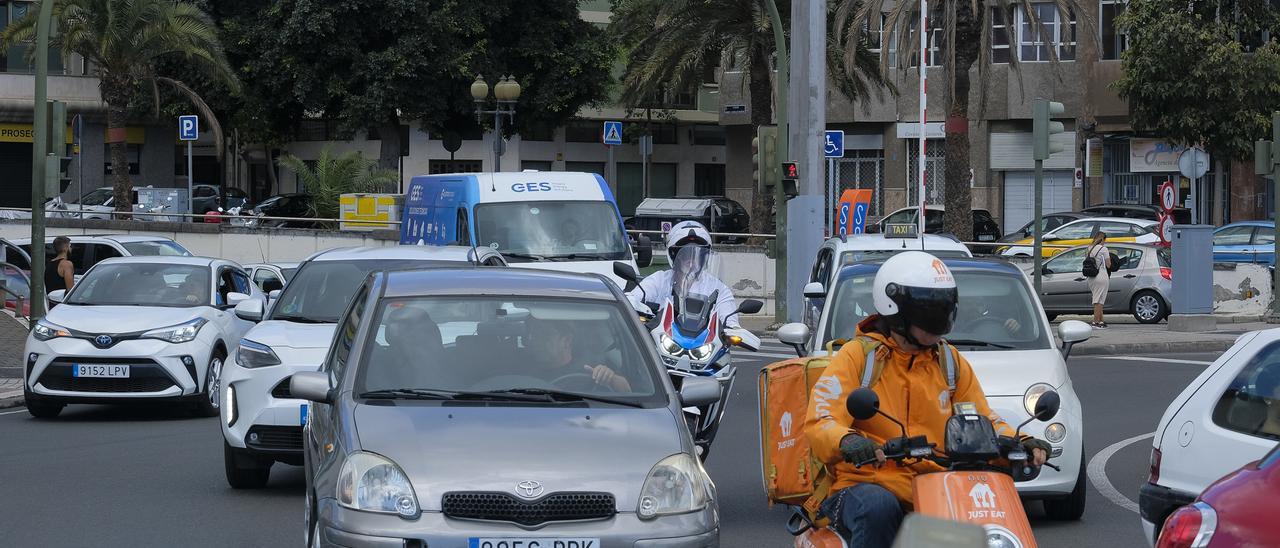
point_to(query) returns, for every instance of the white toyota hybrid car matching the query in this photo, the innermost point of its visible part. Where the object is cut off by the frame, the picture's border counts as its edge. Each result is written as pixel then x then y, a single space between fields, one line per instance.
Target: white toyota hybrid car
pixel 1015 361
pixel 138 328
pixel 261 420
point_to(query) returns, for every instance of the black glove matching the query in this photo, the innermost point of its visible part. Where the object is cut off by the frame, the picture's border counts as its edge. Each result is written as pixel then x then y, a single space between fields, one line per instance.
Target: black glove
pixel 1031 443
pixel 857 449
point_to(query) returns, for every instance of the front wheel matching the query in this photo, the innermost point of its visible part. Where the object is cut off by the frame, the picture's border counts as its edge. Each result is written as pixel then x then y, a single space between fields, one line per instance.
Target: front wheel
pixel 244 471
pixel 207 405
pixel 1148 307
pixel 1070 507
pixel 40 408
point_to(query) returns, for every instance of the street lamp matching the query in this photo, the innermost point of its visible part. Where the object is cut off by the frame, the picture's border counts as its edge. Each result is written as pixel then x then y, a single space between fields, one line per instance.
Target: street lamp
pixel 505 93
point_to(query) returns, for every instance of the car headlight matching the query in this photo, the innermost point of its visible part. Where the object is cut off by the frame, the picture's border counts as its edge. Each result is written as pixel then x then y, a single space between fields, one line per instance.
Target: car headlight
pixel 252 354
pixel 1055 433
pixel 670 346
pixel 702 352
pixel 181 333
pixel 372 483
pixel 45 331
pixel 676 485
pixel 1032 396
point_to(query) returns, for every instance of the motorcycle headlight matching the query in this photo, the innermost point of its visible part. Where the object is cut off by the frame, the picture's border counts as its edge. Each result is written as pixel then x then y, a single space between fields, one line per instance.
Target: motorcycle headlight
pixel 676 485
pixel 702 352
pixel 371 483
pixel 252 354
pixel 45 331
pixel 1032 396
pixel 670 346
pixel 181 333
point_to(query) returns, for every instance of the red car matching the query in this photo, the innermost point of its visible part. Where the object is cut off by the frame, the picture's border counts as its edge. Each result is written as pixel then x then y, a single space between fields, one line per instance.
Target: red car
pixel 1236 511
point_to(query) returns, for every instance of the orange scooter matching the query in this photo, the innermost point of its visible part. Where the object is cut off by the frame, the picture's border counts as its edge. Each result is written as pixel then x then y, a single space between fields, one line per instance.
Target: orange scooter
pixel 974 489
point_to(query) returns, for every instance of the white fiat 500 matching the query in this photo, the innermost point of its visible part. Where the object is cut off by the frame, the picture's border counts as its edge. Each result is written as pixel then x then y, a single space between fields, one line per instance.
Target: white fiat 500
pixel 1003 332
pixel 138 328
pixel 261 420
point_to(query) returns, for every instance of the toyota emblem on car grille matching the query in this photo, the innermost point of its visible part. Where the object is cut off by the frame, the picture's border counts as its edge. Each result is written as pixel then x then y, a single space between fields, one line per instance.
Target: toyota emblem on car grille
pixel 102 340
pixel 529 489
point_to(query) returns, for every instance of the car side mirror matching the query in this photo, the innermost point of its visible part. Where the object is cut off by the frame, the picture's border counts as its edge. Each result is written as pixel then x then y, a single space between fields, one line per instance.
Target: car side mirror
pixel 863 404
pixel 814 290
pixel 250 310
pixel 795 335
pixel 1047 405
pixel 698 391
pixel 624 271
pixel 313 386
pixel 58 296
pixel 234 299
pixel 1072 332
pixel 273 295
pixel 644 251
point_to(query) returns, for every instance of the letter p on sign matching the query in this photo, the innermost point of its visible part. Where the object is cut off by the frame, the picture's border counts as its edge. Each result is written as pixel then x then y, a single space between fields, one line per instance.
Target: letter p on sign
pixel 188 128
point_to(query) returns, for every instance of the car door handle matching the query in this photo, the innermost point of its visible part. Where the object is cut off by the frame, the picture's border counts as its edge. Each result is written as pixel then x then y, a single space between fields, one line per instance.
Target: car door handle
pixel 1130 276
pixel 1081 279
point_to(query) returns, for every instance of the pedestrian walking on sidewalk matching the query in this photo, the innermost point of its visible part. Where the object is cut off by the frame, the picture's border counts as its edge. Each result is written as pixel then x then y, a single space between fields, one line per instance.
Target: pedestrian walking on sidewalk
pixel 60 273
pixel 1097 268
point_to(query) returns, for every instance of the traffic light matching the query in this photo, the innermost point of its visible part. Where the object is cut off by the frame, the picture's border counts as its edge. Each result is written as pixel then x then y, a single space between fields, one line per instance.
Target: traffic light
pixel 764 157
pixel 790 179
pixel 57 165
pixel 1043 128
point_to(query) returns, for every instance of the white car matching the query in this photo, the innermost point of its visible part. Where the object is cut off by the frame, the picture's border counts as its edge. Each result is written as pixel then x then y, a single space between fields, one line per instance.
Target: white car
pixel 1081 232
pixel 1227 417
pixel 88 249
pixel 1014 366
pixel 138 328
pixel 261 420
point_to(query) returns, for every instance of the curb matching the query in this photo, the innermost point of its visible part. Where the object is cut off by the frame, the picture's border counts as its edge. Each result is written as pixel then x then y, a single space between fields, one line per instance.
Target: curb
pixel 1172 347
pixel 12 401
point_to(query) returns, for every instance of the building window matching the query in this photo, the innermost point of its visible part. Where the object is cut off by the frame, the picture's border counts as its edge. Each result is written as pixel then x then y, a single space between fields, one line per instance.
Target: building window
pixel 1035 40
pixel 862 169
pixel 536 165
pixel 708 135
pixel 583 131
pixel 316 130
pixel 15 59
pixel 539 132
pixel 132 152
pixel 708 179
pixel 1113 41
pixel 1001 34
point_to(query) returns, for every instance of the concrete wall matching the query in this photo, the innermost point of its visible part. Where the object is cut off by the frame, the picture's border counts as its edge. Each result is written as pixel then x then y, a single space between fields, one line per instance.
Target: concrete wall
pixel 1241 289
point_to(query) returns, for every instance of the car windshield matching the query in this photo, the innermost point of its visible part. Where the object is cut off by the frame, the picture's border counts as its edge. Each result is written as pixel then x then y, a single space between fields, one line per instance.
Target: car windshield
pixel 143 284
pixel 97 197
pixel 156 247
pixel 320 290
pixel 508 349
pixel 851 257
pixel 548 230
pixel 988 300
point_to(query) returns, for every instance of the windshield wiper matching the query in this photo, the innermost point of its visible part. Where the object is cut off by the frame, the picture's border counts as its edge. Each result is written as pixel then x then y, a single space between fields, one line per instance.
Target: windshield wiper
pixel 975 342
pixel 301 319
pixel 561 395
pixel 584 256
pixel 434 394
pixel 529 256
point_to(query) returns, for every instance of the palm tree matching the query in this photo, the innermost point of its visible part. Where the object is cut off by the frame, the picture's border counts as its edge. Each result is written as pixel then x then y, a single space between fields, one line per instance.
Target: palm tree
pixel 672 45
pixel 331 176
pixel 967 28
pixel 123 40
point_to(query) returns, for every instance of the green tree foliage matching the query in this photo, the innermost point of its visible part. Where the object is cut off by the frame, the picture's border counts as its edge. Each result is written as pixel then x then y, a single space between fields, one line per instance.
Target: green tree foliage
pixel 330 176
pixel 1197 72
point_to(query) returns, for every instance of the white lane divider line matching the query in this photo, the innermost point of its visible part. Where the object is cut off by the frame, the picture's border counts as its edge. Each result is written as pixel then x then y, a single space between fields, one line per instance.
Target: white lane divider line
pixel 1153 359
pixel 1098 472
pixel 20 410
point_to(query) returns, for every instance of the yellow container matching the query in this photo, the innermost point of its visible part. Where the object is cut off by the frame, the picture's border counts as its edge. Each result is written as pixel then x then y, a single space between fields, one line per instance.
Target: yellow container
pixel 370 211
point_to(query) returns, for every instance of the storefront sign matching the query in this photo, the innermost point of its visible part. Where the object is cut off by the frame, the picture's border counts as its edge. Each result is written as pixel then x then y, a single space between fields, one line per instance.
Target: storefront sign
pixel 1153 155
pixel 21 133
pixel 1093 158
pixel 932 130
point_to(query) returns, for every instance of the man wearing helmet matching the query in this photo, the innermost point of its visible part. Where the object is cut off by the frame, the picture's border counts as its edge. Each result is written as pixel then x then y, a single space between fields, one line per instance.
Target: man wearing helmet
pixel 915 302
pixel 689 251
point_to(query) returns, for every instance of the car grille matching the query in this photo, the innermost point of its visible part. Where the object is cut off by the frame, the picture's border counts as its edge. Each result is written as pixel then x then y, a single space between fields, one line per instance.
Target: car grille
pixel 275 438
pixel 282 390
pixel 144 376
pixel 566 506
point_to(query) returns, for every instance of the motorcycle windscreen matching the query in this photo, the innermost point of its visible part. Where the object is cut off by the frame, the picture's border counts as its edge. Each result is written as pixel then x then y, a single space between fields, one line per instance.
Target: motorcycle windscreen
pixel 970 438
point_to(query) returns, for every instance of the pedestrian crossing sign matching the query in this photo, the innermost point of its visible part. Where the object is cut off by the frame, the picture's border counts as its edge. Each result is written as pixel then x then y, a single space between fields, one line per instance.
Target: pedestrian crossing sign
pixel 612 134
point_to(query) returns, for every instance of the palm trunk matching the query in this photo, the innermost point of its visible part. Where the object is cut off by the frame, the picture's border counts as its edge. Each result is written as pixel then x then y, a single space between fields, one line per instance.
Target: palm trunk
pixel 958 198
pixel 115 93
pixel 761 115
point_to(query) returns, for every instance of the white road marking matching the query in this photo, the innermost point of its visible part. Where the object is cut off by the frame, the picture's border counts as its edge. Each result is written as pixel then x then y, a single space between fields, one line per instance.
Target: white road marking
pixel 1151 359
pixel 1098 472
pixel 13 412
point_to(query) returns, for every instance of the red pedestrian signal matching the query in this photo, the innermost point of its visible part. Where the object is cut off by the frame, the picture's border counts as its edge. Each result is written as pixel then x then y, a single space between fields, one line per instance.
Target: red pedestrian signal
pixel 790 170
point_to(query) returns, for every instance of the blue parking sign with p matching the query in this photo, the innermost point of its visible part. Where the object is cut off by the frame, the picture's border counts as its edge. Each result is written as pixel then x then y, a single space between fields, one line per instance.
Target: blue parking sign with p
pixel 188 128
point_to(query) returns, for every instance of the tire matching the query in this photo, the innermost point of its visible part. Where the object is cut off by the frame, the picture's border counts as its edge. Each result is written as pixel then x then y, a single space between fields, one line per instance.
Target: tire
pixel 211 396
pixel 311 524
pixel 1148 307
pixel 38 407
pixel 244 471
pixel 1070 507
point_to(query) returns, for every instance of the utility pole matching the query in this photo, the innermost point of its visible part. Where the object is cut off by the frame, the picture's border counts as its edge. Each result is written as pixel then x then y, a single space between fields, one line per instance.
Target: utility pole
pixel 1042 128
pixel 779 197
pixel 1266 162
pixel 39 151
pixel 808 101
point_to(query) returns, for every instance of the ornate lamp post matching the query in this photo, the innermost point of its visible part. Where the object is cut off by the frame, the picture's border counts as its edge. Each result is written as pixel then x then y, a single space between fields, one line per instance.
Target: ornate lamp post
pixel 505 94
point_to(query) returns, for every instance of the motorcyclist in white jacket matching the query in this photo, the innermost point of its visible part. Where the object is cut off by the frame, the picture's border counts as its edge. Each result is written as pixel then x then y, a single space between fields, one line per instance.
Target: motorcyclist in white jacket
pixel 689 251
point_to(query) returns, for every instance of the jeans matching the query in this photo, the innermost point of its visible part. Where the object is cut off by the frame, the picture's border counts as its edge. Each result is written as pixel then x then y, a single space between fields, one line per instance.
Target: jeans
pixel 864 515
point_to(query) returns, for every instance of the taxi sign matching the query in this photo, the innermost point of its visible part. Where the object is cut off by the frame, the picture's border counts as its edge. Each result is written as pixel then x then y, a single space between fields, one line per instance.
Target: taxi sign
pixel 900 230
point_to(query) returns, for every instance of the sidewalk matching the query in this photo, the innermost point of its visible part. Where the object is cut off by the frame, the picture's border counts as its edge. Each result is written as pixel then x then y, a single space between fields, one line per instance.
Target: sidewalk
pixel 13 335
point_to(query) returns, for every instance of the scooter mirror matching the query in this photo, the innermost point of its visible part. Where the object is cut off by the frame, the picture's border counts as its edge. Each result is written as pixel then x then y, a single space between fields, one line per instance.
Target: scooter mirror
pixel 1047 405
pixel 624 271
pixel 750 306
pixel 863 404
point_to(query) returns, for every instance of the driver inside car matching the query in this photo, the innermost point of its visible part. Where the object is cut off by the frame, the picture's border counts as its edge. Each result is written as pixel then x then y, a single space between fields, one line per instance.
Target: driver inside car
pixel 915 299
pixel 552 357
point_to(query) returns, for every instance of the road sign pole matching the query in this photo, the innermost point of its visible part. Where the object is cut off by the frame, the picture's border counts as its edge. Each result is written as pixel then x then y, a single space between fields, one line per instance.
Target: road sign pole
pixel 191 208
pixel 1036 223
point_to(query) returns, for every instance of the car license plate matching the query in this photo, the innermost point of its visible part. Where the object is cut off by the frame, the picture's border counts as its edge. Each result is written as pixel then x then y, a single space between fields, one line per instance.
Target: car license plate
pixel 100 371
pixel 534 543
pixel 985 237
pixel 302 414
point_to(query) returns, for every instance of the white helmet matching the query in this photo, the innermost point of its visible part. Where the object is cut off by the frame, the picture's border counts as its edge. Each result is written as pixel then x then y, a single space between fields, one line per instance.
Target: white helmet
pixel 914 288
pixel 686 233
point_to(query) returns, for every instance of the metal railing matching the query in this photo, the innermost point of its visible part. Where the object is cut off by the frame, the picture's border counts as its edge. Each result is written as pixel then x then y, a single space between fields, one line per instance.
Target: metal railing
pixel 713 234
pixel 20 300
pixel 202 217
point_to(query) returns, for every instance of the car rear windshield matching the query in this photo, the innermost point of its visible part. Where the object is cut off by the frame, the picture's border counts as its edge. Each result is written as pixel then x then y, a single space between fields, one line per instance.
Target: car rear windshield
pixel 157 247
pixel 143 284
pixel 319 291
pixel 1165 256
pixel 483 344
pixel 851 257
pixel 987 303
pixel 551 230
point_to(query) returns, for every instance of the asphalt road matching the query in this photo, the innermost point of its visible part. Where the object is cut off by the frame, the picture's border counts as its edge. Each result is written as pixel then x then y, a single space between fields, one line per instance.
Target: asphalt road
pixel 142 476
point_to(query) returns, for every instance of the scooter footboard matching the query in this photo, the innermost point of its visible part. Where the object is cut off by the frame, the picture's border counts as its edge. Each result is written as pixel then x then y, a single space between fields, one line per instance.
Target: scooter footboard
pixel 982 498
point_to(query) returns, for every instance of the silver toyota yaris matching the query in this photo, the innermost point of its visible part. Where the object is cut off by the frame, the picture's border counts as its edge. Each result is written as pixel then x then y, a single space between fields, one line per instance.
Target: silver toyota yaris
pixel 494 408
